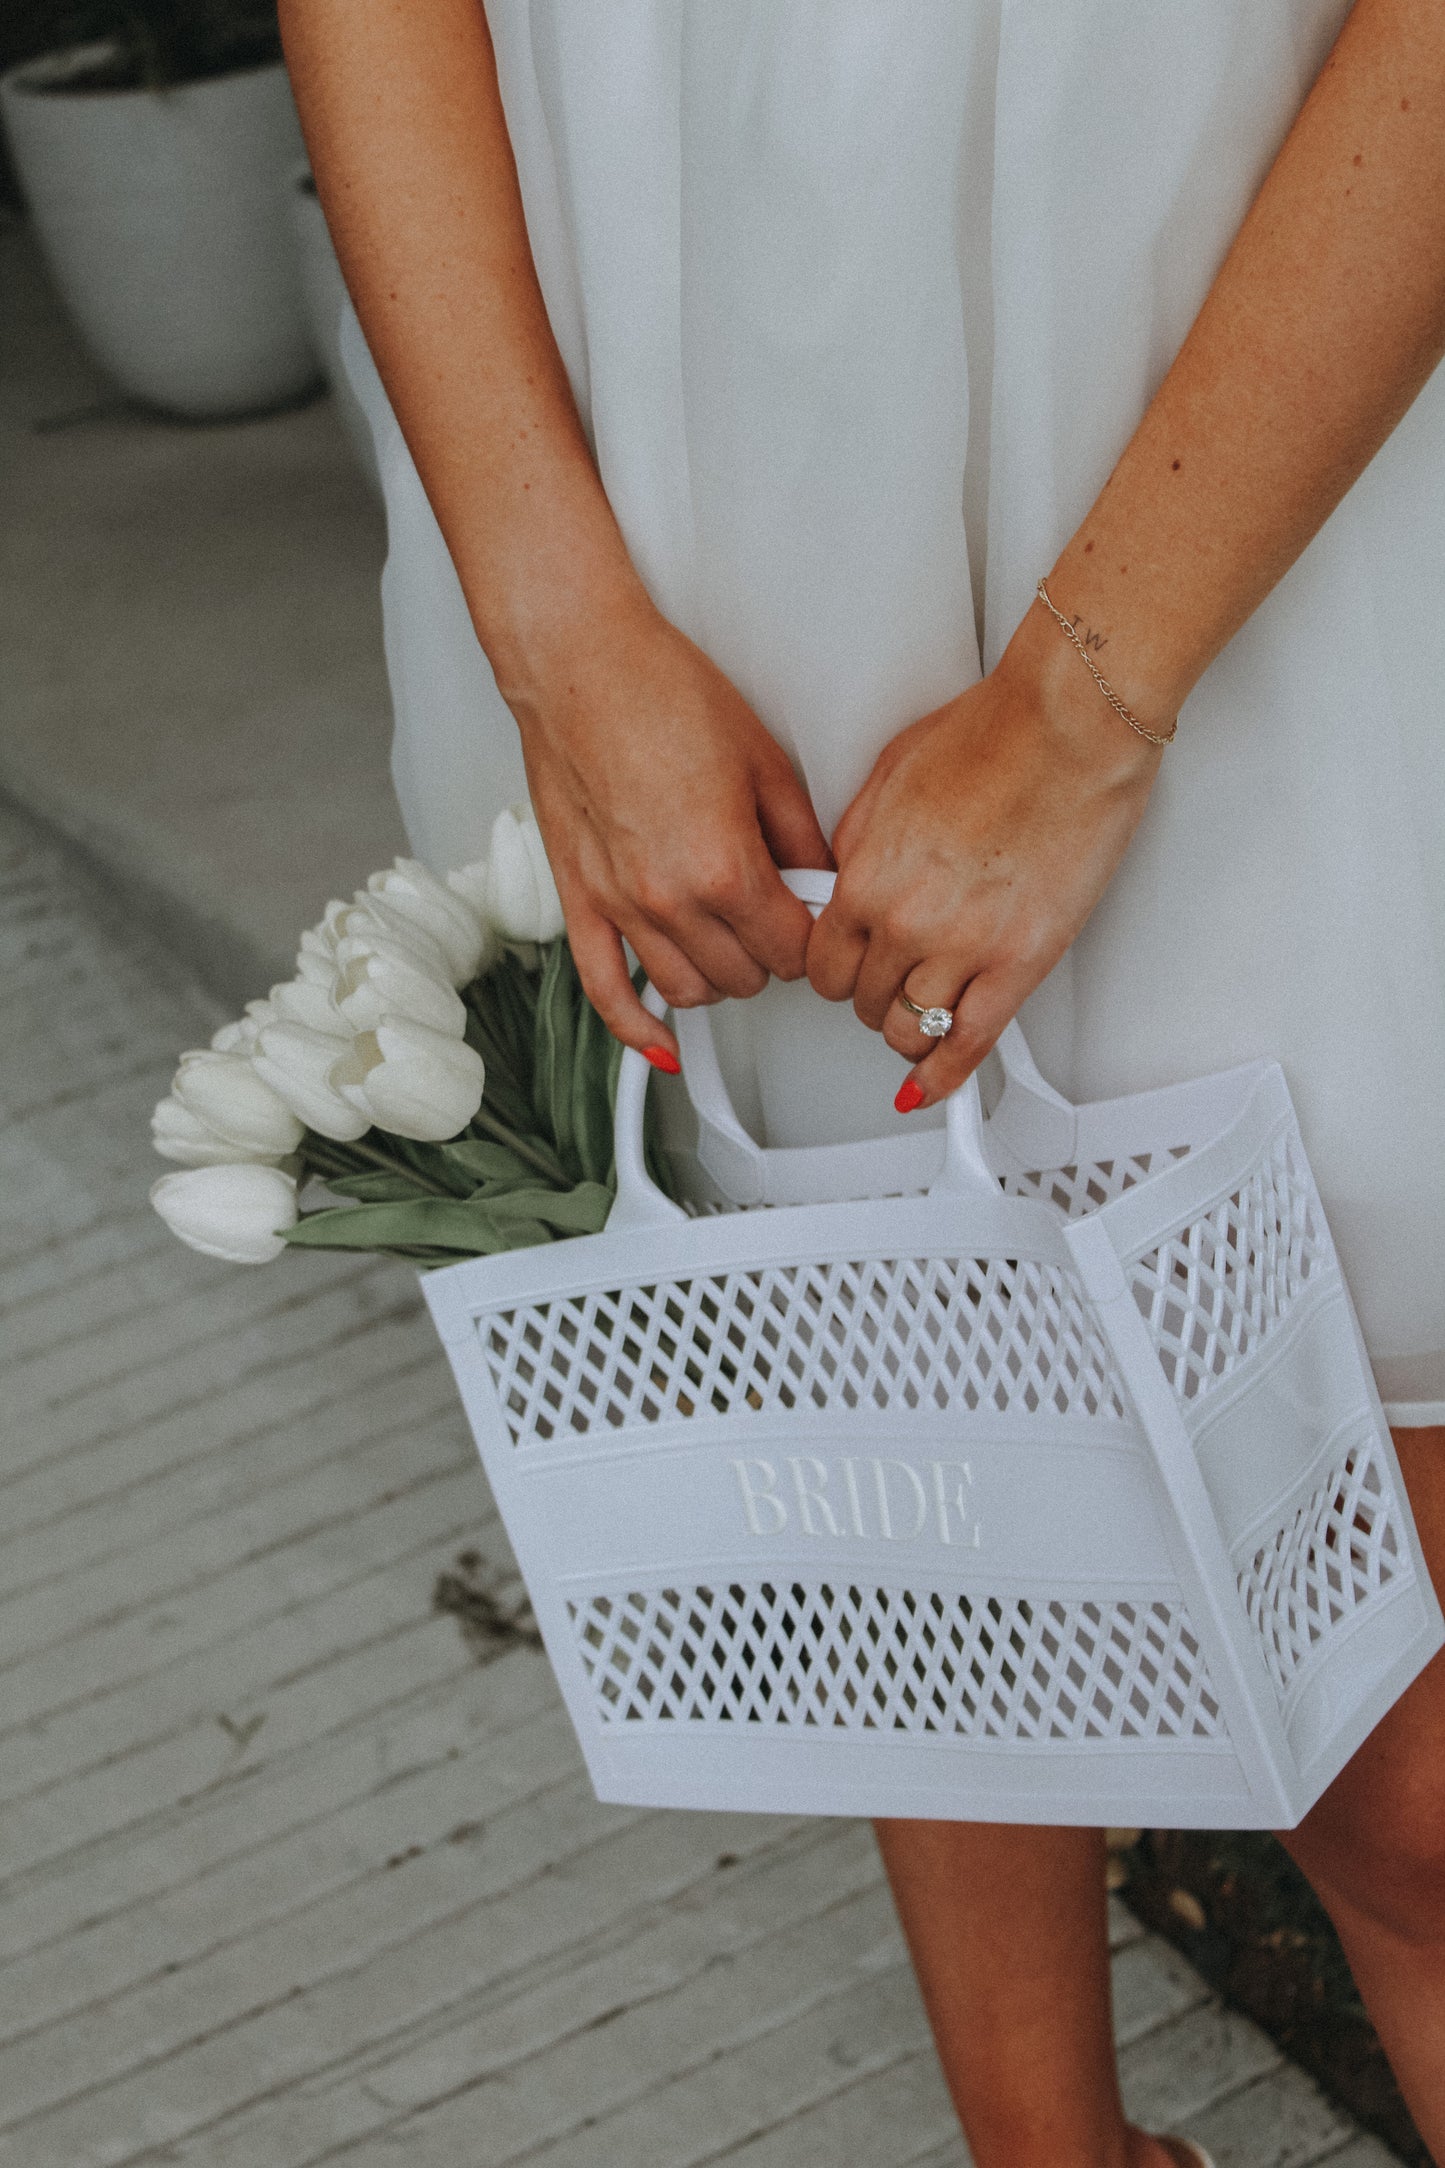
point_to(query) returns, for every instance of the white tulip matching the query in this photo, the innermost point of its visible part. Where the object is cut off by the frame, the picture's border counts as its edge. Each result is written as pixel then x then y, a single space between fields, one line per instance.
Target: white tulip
pixel 470 883
pixel 316 957
pixel 306 1001
pixel 411 1080
pixel 236 1213
pixel 240 1036
pixel 409 891
pixel 313 963
pixel 522 899
pixel 224 1091
pixel 179 1134
pixel 370 921
pixel 378 980
pixel 236 1038
pixel 297 1063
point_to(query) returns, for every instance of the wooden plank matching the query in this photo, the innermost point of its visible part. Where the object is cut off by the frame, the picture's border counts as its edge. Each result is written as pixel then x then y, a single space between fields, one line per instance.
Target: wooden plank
pixel 400 1708
pixel 277 1583
pixel 72 1543
pixel 323 1651
pixel 570 1869
pixel 441 1800
pixel 123 1263
pixel 180 1319
pixel 563 2000
pixel 248 1986
pixel 183 1378
pixel 1152 1983
pixel 372 1453
pixel 1282 2121
pixel 285 1394
pixel 1180 2068
pixel 1362 2152
pixel 855 2027
pixel 880 2116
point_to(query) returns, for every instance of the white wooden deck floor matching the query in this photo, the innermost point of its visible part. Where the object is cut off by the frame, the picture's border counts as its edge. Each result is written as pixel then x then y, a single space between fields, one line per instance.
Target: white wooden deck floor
pixel 291 1877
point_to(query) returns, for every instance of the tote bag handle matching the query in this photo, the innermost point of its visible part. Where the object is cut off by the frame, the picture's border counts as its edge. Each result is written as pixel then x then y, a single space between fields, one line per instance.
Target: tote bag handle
pixel 750 1174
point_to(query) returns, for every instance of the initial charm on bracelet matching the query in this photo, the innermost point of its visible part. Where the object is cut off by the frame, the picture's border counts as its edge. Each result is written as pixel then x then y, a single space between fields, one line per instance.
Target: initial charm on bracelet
pixel 933 1023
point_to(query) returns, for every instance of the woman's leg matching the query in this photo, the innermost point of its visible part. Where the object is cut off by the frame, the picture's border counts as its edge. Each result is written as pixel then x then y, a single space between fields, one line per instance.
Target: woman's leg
pixel 1007 1928
pixel 1008 1931
pixel 1374 1847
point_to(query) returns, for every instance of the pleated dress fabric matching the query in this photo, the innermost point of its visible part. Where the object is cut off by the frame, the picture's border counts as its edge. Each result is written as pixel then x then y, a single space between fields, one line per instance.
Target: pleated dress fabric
pixel 860 300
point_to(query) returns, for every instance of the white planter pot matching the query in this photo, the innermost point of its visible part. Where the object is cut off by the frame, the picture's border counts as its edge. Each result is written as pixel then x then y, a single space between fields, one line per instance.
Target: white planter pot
pixel 164 220
pixel 327 302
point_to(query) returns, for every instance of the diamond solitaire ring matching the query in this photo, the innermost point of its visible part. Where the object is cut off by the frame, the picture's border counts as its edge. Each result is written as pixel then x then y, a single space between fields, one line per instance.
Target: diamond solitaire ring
pixel 933 1023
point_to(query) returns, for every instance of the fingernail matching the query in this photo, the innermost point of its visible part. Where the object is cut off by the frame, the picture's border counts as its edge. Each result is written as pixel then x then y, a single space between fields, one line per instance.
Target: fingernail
pixel 910 1095
pixel 669 1063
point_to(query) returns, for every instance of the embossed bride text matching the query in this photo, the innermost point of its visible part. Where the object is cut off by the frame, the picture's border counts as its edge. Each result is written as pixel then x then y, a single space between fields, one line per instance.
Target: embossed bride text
pixel 867 1495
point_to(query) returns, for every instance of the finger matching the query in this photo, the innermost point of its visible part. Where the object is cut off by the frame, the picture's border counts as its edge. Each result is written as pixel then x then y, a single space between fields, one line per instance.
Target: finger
pixel 785 815
pixel 726 910
pixel 904 1031
pixel 835 957
pixel 607 982
pixel 837 947
pixel 987 1004
pixel 890 964
pixel 763 916
pixel 716 956
pixel 669 967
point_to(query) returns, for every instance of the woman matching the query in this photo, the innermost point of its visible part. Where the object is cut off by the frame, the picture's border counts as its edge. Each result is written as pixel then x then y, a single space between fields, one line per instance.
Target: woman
pixel 756 357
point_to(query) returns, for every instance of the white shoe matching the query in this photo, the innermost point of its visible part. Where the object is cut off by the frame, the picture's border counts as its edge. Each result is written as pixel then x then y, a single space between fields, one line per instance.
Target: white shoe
pixel 1194 2154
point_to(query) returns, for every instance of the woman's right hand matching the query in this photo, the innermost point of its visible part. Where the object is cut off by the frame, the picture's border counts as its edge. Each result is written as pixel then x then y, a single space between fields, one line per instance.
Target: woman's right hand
pixel 666 808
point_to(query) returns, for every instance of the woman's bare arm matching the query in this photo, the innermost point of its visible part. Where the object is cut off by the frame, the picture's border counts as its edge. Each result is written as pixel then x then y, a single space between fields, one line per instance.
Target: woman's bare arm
pixel 1325 320
pixel 663 800
pixel 988 831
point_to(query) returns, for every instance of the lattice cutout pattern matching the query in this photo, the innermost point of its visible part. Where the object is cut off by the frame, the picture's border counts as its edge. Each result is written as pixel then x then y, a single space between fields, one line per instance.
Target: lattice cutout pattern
pixel 1076 1191
pixel 1341 1549
pixel 880 1333
pixel 979 1667
pixel 1227 1281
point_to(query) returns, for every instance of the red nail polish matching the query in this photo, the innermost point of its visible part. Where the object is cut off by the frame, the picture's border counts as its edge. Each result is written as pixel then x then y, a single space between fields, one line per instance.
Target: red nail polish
pixel 669 1063
pixel 910 1095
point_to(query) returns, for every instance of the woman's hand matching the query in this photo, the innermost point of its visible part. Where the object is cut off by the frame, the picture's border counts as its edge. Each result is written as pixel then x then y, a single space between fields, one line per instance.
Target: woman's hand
pixel 666 808
pixel 973 854
pixel 665 805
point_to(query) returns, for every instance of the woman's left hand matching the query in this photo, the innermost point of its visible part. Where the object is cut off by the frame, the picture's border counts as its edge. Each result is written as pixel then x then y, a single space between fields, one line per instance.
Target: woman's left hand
pixel 975 851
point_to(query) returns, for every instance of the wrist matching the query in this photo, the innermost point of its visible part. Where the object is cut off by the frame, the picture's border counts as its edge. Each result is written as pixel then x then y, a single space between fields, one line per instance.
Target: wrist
pixel 1147 643
pixel 544 610
pixel 1042 668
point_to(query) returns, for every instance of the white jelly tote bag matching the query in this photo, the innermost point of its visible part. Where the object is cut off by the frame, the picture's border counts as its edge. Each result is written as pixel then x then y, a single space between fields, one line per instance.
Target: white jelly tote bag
pixel 1028 1470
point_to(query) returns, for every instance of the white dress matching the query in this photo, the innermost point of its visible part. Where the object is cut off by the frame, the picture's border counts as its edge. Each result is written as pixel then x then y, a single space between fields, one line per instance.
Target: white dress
pixel 860 300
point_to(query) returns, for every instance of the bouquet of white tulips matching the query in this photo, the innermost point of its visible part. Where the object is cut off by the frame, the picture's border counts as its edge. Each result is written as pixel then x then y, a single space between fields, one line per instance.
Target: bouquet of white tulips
pixel 433 1082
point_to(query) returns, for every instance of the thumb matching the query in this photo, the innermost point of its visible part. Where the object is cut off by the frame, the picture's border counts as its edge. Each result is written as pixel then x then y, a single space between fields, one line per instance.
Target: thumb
pixel 789 824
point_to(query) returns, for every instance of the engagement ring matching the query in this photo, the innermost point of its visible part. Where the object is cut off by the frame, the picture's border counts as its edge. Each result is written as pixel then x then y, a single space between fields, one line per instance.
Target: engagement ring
pixel 933 1023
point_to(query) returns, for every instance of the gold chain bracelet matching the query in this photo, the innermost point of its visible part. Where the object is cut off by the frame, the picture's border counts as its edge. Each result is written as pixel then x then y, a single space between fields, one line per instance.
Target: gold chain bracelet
pixel 1155 737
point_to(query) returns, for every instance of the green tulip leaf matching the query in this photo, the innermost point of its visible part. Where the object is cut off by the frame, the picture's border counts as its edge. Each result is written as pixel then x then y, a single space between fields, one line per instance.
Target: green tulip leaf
pixel 593 1087
pixel 429 1223
pixel 373 1188
pixel 579 1211
pixel 556 1032
pixel 482 1161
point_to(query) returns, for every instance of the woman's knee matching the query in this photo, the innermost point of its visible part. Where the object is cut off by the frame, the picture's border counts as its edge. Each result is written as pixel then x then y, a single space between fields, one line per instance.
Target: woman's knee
pixel 1376 1841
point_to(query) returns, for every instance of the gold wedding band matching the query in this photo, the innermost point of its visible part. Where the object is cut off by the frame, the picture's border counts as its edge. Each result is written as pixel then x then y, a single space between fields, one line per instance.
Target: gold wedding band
pixel 934 1023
